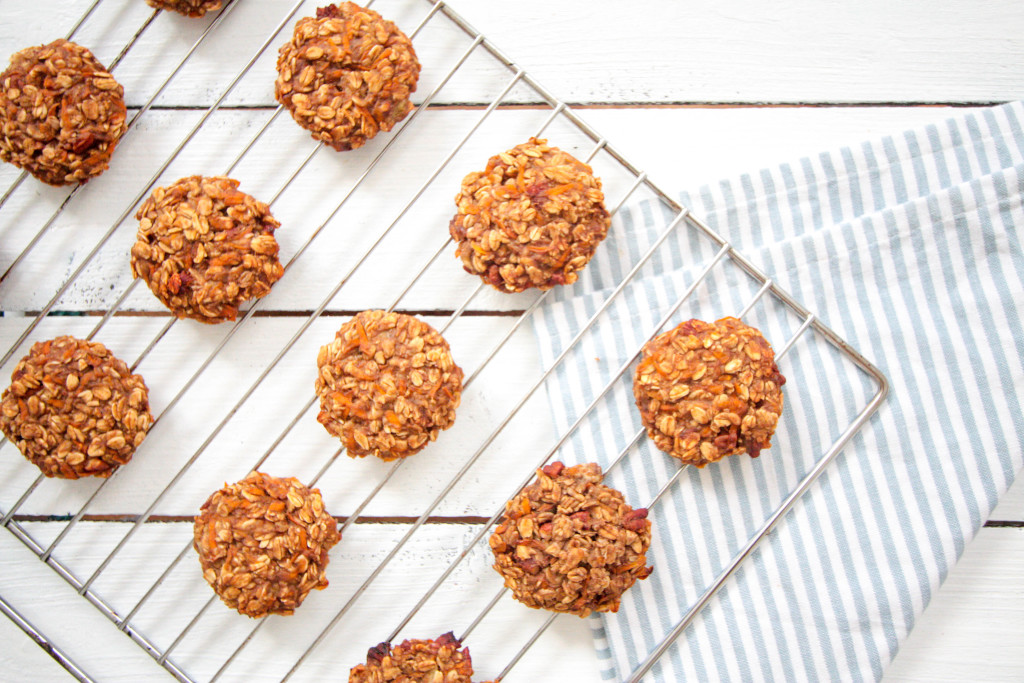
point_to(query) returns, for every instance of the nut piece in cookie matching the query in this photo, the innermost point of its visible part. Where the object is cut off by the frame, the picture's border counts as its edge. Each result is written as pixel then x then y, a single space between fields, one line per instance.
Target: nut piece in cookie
pixel 74 409
pixel 263 543
pixel 346 75
pixel 61 113
pixel 416 661
pixel 708 390
pixel 190 8
pixel 205 248
pixel 387 385
pixel 532 218
pixel 568 543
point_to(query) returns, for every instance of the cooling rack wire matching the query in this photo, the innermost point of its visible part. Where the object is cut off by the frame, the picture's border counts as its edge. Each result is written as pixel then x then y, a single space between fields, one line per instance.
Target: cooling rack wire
pixel 514 91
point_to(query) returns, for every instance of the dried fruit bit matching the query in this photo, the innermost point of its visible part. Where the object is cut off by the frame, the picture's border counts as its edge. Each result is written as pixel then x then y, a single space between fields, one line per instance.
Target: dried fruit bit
pixel 263 543
pixel 204 248
pixel 532 218
pixel 74 409
pixel 416 661
pixel 568 543
pixel 190 8
pixel 61 113
pixel 708 390
pixel 387 385
pixel 346 75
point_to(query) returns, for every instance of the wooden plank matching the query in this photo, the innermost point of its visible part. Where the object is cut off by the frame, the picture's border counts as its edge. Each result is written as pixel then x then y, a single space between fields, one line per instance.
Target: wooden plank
pixel 971 629
pixel 793 51
pixel 678 148
pixel 180 433
pixel 565 650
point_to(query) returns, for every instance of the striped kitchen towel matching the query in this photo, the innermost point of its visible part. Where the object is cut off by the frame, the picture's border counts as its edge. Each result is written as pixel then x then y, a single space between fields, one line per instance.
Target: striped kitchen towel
pixel 907 246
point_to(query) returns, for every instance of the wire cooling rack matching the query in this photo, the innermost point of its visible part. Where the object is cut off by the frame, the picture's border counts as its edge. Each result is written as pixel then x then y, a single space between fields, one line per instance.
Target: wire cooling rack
pixel 137 568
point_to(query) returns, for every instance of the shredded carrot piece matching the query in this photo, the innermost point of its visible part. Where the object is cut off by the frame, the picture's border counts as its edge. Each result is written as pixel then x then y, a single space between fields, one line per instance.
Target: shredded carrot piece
pixel 559 189
pixel 393 418
pixel 359 374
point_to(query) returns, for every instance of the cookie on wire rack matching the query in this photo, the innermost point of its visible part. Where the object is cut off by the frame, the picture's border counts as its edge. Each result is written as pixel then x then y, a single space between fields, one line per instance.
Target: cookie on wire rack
pixel 74 409
pixel 568 543
pixel 387 385
pixel 204 248
pixel 61 113
pixel 709 390
pixel 263 543
pixel 532 218
pixel 416 661
pixel 346 75
pixel 189 8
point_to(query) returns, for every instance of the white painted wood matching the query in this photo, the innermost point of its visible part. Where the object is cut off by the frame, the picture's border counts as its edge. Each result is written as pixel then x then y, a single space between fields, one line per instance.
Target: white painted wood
pixel 109 656
pixel 971 631
pixel 678 148
pixel 790 51
pixel 661 52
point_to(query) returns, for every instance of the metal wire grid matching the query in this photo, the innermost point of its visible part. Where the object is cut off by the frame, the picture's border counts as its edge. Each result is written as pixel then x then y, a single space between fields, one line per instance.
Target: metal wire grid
pixel 683 220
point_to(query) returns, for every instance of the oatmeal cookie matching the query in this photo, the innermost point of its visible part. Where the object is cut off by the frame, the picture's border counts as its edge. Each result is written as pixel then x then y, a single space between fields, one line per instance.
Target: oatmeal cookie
pixel 346 75
pixel 416 661
pixel 61 113
pixel 205 248
pixel 74 409
pixel 190 8
pixel 568 543
pixel 263 543
pixel 708 390
pixel 387 385
pixel 532 218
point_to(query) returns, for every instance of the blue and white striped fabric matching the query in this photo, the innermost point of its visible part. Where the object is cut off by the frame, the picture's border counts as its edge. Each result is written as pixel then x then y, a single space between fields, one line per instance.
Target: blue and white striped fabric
pixel 909 247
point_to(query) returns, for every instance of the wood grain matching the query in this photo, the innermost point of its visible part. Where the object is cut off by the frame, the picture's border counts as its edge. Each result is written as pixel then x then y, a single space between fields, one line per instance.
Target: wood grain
pixel 601 51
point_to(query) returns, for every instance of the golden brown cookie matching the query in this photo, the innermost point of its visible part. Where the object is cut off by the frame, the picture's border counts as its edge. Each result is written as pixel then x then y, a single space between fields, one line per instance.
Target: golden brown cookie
pixel 205 248
pixel 416 661
pixel 263 543
pixel 346 75
pixel 387 385
pixel 61 113
pixel 568 543
pixel 532 218
pixel 74 409
pixel 708 390
pixel 190 8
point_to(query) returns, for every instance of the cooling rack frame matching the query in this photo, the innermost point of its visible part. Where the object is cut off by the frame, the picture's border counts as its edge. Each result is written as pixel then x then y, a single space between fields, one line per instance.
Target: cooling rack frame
pixel 558 110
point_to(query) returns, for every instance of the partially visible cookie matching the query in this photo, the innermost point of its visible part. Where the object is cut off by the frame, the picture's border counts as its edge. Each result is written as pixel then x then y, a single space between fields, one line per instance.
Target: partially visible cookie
pixel 568 543
pixel 263 543
pixel 190 8
pixel 709 390
pixel 61 113
pixel 204 248
pixel 416 661
pixel 532 218
pixel 346 75
pixel 387 385
pixel 74 409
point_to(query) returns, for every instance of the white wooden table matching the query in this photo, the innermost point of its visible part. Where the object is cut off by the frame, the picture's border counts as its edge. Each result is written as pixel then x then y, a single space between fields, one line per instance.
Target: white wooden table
pixel 676 87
